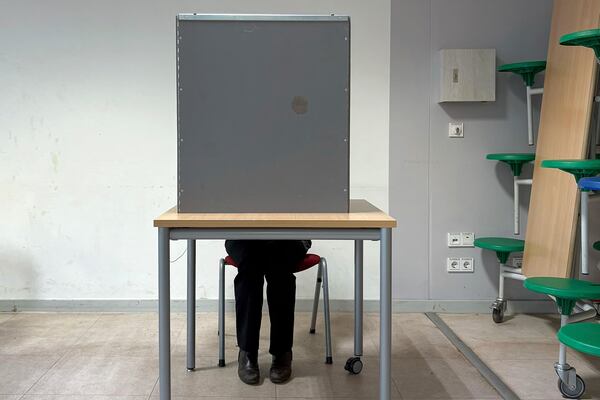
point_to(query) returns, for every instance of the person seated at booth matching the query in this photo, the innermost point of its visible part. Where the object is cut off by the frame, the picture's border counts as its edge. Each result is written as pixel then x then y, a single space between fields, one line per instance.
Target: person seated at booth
pixel 273 260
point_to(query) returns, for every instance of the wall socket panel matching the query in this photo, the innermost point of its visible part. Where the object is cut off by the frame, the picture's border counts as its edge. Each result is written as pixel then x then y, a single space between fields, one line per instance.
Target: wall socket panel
pixel 517 262
pixel 455 130
pixel 461 239
pixel 459 264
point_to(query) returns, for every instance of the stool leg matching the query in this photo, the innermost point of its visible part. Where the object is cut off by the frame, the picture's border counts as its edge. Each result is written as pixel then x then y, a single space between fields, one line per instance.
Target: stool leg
pixel 313 320
pixel 191 305
pixel 499 306
pixel 221 312
pixel 565 372
pixel 328 357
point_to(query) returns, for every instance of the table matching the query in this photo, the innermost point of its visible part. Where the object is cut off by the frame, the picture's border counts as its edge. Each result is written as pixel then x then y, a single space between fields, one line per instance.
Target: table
pixel 363 222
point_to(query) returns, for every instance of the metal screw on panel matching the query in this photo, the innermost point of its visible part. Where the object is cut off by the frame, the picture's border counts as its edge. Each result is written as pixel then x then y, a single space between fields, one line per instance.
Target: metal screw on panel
pixel 345 89
pixel 345 190
pixel 345 37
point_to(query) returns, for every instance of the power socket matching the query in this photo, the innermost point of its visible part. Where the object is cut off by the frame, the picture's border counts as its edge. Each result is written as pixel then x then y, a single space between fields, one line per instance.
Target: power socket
pixel 453 264
pixel 466 264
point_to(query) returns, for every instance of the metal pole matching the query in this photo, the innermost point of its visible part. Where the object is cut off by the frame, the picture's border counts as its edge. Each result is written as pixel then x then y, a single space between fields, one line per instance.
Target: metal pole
pixel 501 283
pixel 358 298
pixel 562 352
pixel 584 232
pixel 191 304
pixel 328 356
pixel 313 319
pixel 385 314
pixel 516 203
pixel 529 117
pixel 221 312
pixel 164 318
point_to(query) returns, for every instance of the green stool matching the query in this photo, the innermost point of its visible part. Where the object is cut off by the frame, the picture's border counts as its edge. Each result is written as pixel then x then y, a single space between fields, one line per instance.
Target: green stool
pixel 588 38
pixel 527 70
pixel 503 247
pixel 566 293
pixel 579 169
pixel 597 246
pixel 515 161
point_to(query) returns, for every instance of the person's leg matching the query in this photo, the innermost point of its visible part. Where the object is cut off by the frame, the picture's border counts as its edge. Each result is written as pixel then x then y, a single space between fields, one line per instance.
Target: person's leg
pixel 281 297
pixel 248 304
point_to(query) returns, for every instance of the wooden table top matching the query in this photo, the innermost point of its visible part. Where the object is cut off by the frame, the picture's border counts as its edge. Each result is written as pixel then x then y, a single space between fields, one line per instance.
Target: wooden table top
pixel 362 215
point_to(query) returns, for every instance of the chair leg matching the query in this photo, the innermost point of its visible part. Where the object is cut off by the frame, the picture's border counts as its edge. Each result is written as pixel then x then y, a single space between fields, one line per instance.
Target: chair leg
pixel 315 309
pixel 221 312
pixel 328 357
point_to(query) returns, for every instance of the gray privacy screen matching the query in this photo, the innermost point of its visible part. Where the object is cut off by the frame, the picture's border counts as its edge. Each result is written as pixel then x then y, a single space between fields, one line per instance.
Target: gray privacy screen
pixel 263 113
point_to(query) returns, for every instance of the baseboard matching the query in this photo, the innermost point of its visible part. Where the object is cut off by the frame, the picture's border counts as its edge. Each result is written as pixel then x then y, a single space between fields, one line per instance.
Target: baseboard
pixel 206 305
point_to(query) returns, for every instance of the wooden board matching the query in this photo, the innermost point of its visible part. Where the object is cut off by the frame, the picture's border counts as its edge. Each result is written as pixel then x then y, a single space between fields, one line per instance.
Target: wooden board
pixel 362 215
pixel 563 134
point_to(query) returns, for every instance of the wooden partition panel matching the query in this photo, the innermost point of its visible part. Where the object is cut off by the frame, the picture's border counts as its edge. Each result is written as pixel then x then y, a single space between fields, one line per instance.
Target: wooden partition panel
pixel 563 134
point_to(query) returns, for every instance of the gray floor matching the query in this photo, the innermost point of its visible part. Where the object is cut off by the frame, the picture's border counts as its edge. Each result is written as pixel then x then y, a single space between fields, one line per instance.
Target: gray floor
pixel 97 356
pixel 522 351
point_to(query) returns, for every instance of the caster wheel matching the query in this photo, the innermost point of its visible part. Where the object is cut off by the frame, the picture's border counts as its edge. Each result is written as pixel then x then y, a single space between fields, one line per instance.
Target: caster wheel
pixel 498 314
pixel 568 393
pixel 354 365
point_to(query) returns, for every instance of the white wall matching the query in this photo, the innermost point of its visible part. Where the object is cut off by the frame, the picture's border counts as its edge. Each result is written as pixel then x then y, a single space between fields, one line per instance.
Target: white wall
pixel 88 150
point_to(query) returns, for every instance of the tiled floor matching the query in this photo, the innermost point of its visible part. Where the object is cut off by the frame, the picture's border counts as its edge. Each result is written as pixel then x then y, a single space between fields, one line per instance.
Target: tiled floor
pixel 53 356
pixel 522 351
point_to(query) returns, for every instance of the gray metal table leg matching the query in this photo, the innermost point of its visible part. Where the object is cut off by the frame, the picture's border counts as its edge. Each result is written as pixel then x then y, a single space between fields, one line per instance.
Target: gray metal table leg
pixel 385 314
pixel 191 304
pixel 164 317
pixel 358 298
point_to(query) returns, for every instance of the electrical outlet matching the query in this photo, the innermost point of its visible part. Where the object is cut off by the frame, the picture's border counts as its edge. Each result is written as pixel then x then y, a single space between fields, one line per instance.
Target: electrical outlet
pixel 454 239
pixel 466 264
pixel 467 239
pixel 453 264
pixel 455 130
pixel 517 262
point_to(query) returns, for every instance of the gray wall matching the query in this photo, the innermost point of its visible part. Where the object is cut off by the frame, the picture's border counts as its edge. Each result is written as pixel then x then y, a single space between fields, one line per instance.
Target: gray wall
pixel 440 185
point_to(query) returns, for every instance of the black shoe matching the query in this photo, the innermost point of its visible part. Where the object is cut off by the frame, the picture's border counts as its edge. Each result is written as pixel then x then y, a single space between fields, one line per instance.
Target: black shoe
pixel 248 367
pixel 281 368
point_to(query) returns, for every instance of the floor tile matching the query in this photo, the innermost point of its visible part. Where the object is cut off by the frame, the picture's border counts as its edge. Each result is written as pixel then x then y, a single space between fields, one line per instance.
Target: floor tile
pixel 312 380
pixel 96 375
pixel 19 373
pixel 79 397
pixel 42 333
pixel 10 396
pixel 210 380
pixel 480 327
pixel 5 316
pixel 440 378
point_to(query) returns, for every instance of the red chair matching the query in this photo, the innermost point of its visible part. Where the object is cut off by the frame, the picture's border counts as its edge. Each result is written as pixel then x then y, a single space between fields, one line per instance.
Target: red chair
pixel 310 260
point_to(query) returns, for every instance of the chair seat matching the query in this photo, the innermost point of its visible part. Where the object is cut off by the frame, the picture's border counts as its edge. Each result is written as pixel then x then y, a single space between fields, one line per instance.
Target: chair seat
pixel 527 69
pixel 500 244
pixel 583 337
pixel 597 246
pixel 309 261
pixel 590 183
pixel 564 288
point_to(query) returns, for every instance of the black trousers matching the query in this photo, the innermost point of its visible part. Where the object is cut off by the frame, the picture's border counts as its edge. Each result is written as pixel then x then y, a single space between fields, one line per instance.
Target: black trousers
pixel 275 261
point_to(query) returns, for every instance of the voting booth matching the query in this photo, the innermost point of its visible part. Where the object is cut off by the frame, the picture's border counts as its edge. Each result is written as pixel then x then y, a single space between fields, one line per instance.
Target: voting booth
pixel 263 113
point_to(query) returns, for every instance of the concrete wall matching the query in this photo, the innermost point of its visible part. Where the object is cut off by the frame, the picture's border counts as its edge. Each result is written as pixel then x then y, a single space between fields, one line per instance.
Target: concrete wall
pixel 88 144
pixel 438 184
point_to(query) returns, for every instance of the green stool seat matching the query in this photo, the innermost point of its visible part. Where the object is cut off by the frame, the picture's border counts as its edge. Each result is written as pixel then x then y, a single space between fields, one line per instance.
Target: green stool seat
pixel 597 246
pixel 564 288
pixel 526 69
pixel 514 160
pixel 588 38
pixel 583 337
pixel 578 168
pixel 566 291
pixel 502 246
